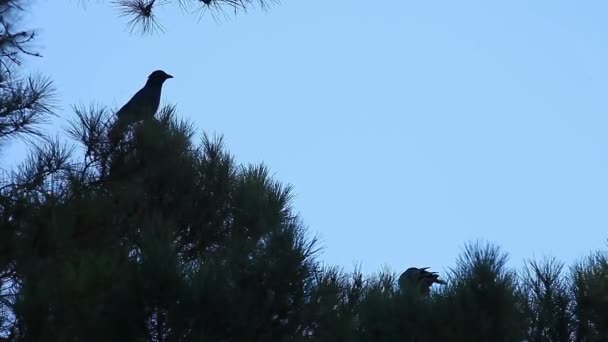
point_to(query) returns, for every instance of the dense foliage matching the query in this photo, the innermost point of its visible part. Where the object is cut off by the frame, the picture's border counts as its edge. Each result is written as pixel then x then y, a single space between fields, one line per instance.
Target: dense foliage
pixel 165 240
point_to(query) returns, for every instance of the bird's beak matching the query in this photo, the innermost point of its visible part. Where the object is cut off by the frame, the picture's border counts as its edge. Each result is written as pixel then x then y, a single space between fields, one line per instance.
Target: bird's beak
pixel 169 76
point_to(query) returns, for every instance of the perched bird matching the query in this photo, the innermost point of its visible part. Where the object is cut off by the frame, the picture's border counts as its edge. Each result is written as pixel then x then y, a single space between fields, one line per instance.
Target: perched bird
pixel 419 278
pixel 143 105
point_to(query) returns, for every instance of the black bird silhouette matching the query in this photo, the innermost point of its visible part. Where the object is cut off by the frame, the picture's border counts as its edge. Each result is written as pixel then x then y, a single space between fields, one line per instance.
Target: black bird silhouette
pixel 143 105
pixel 420 279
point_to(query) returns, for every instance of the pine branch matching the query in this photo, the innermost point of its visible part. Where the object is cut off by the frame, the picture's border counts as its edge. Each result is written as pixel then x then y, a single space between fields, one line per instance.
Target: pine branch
pixel 143 19
pixel 24 104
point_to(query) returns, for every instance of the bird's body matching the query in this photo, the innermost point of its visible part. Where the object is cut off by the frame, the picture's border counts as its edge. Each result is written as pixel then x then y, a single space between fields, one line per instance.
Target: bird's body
pixel 419 278
pixel 143 105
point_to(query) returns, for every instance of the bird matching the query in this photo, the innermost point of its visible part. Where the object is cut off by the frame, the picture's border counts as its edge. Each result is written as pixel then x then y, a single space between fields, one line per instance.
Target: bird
pixel 143 105
pixel 419 278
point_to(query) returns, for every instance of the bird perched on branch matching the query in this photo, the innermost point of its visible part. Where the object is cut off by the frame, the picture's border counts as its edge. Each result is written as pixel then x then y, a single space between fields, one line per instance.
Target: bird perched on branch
pixel 143 105
pixel 419 278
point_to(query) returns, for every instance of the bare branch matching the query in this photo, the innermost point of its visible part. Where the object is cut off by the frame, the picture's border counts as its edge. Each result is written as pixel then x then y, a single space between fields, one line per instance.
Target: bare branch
pixel 13 41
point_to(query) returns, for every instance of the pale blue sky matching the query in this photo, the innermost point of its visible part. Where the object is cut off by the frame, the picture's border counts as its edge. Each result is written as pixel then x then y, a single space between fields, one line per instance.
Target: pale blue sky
pixel 407 127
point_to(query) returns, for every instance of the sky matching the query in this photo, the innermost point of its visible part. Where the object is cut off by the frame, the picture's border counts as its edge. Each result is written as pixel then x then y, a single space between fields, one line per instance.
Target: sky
pixel 407 128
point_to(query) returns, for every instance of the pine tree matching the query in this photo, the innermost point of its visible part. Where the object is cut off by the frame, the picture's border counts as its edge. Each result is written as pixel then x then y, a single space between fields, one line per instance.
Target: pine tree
pixel 25 101
pixel 173 242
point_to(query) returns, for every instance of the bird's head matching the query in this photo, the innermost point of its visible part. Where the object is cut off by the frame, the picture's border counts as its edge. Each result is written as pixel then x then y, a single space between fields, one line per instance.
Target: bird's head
pixel 159 76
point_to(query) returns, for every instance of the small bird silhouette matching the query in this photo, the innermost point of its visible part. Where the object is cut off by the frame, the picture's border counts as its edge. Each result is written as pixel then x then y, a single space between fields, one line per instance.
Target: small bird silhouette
pixel 143 105
pixel 419 278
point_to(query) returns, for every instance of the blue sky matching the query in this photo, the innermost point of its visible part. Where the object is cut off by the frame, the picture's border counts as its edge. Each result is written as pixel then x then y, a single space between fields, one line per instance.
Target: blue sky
pixel 407 127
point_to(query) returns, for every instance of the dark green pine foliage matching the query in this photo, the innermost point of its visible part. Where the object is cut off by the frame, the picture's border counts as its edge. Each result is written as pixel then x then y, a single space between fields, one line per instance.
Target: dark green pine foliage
pixel 482 301
pixel 332 313
pixel 162 239
pixel 590 291
pixel 159 240
pixel 547 301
